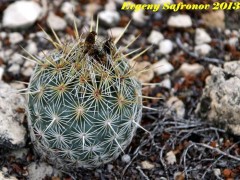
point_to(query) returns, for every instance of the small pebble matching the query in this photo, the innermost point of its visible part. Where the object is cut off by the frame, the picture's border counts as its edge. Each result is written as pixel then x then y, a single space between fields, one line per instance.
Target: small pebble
pixel 217 172
pixel 115 32
pixel 146 76
pixel 190 69
pixel 171 158
pixel 233 41
pixel 56 22
pixel 16 59
pixel 162 67
pixel 155 37
pixel 68 8
pixel 166 83
pixel 21 14
pixel 14 69
pixel 126 158
pixel 180 21
pixel 3 177
pixel 202 36
pixel 15 37
pixel 1 72
pixel 165 46
pixel 110 6
pixel 3 35
pixel 147 165
pixel 32 47
pixel 176 106
pixel 139 17
pixel 202 49
pixel 109 18
pixel 110 167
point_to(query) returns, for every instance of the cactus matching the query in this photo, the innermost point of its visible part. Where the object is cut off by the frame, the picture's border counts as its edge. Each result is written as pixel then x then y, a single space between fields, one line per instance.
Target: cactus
pixel 84 103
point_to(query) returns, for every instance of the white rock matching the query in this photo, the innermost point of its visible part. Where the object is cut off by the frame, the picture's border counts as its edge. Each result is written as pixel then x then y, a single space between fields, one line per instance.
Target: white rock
pixel 27 71
pixel 4 169
pixel 171 158
pixel 180 21
pixel 40 171
pixel 155 37
pixel 109 18
pixel 110 6
pixel 126 158
pixel 56 22
pixel 2 177
pixel 202 49
pixel 16 58
pixel 165 46
pixel 21 14
pixel 27 68
pixel 15 37
pixel 190 69
pixel 32 47
pixel 162 67
pixel 146 76
pixel 3 35
pixel 14 69
pixel 147 165
pixel 119 1
pixel 202 36
pixel 12 133
pixel 91 8
pixel 1 72
pixel 233 41
pixel 17 86
pixel 217 172
pixel 139 17
pixel 166 83
pixel 68 8
pixel 161 1
pixel 115 32
pixel 227 32
pixel 176 106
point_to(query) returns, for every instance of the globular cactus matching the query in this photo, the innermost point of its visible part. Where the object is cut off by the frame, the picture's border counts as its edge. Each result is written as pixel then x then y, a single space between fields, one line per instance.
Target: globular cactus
pixel 84 103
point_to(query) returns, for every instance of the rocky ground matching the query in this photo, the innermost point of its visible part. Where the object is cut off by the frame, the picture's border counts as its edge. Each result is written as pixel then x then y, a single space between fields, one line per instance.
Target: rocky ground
pixel 194 59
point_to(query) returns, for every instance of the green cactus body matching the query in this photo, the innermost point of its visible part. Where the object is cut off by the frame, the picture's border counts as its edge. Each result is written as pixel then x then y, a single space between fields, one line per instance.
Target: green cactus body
pixel 84 105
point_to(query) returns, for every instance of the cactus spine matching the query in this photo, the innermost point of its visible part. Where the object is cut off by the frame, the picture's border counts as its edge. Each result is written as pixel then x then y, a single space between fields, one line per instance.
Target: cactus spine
pixel 84 103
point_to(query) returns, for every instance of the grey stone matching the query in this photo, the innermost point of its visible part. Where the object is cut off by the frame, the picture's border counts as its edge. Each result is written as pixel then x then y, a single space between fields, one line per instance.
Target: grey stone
pixel 220 102
pixel 41 170
pixel 12 132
